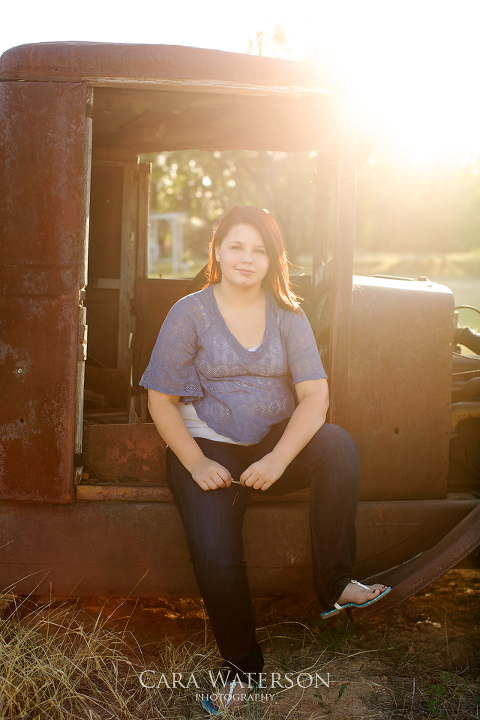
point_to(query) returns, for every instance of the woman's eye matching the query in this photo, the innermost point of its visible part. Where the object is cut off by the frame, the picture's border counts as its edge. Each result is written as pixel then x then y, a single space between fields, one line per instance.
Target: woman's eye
pixel 262 252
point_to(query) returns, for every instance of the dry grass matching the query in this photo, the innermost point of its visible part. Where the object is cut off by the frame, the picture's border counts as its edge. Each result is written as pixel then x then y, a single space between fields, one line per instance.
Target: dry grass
pixel 54 667
pixel 60 662
pixel 57 663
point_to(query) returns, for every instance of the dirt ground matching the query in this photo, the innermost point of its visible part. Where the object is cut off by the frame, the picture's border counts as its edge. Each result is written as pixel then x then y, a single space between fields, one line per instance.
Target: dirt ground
pixel 419 660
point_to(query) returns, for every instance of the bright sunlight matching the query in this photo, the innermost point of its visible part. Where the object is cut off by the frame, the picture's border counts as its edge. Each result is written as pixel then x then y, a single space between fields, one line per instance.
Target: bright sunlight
pixel 412 65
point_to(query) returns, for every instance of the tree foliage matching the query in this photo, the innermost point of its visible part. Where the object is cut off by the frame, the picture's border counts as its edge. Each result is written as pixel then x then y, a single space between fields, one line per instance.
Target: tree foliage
pixel 208 184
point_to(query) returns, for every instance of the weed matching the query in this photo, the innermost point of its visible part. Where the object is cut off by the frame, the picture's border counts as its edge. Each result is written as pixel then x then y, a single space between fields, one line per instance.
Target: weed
pixel 445 694
pixel 326 708
pixel 437 696
pixel 341 691
pixel 335 637
pixel 281 653
pixel 462 689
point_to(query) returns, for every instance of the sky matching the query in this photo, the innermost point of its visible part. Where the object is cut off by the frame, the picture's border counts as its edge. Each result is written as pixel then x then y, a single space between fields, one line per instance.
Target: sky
pixel 414 65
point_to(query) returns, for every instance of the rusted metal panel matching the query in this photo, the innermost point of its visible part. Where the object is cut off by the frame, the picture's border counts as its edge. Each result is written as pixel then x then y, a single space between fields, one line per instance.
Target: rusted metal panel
pixel 129 463
pixel 398 390
pixel 415 575
pixel 76 61
pixel 256 102
pixel 115 452
pixel 106 548
pixel 43 179
pixel 131 492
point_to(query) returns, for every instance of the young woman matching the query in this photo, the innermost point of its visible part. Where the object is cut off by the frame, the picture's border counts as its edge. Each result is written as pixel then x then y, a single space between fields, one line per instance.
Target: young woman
pixel 238 392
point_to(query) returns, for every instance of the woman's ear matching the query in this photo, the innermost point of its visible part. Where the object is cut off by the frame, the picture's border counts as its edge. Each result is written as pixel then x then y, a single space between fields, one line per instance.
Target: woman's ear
pixel 216 254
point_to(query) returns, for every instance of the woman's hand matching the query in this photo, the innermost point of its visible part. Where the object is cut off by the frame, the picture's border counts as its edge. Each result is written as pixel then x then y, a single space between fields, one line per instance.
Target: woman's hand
pixel 210 475
pixel 263 473
pixel 308 417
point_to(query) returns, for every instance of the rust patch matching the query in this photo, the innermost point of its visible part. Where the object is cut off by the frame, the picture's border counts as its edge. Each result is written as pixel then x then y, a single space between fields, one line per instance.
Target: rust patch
pixel 116 452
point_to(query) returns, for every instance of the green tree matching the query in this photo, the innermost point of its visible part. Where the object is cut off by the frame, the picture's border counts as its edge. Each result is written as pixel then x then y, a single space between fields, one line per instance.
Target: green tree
pixel 208 184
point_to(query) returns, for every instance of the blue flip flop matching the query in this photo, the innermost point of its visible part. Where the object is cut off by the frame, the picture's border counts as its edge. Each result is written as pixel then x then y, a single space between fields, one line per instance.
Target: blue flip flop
pixel 210 708
pixel 338 608
pixel 207 704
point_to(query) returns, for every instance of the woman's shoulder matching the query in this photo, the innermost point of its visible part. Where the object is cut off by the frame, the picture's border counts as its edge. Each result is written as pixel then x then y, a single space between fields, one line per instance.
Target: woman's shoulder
pixel 287 318
pixel 196 306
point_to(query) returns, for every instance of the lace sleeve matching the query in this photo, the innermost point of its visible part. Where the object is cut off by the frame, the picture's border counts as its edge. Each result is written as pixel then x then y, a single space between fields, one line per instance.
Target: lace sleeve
pixel 171 369
pixel 303 358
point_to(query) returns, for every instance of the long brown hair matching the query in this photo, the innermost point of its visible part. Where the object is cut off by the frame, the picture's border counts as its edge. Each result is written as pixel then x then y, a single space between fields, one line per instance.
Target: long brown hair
pixel 277 278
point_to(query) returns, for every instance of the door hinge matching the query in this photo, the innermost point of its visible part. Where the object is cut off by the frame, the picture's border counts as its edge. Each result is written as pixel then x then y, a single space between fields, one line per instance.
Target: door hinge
pixel 82 343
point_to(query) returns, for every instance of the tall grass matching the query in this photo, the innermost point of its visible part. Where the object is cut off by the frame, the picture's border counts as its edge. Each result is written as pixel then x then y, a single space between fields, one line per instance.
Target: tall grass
pixel 53 667
pixel 57 662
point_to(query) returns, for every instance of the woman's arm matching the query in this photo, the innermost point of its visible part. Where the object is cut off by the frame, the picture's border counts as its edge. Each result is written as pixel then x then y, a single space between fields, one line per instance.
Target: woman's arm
pixel 309 416
pixel 208 474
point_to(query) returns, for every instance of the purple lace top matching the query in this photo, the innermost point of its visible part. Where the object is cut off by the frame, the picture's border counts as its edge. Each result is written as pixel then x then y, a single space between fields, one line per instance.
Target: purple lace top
pixel 239 394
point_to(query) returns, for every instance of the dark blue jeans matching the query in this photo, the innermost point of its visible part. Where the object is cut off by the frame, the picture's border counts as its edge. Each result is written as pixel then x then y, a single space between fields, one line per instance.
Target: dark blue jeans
pixel 213 521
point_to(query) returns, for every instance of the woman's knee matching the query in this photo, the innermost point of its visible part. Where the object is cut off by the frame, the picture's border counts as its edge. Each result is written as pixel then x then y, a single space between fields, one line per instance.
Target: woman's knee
pixel 215 556
pixel 338 458
pixel 338 441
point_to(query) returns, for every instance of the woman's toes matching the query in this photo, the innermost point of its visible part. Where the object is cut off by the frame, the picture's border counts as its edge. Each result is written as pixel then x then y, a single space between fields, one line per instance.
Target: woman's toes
pixel 356 594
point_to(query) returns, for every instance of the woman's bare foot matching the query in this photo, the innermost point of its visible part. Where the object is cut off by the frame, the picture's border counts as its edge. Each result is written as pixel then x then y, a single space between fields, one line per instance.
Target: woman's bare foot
pixel 357 594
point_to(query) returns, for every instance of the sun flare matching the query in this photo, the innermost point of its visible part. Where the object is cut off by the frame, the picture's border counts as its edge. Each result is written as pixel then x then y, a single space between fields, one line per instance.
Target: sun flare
pixel 413 66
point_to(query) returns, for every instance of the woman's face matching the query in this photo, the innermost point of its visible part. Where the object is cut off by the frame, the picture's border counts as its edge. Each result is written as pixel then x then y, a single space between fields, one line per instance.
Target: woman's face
pixel 242 256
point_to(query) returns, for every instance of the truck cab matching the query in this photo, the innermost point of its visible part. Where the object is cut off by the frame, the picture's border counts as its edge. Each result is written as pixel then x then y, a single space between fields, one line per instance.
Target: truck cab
pixel 84 502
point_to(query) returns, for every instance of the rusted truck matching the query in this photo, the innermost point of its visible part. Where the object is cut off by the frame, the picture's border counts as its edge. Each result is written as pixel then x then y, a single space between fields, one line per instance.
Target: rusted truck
pixel 84 505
